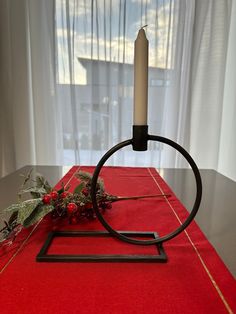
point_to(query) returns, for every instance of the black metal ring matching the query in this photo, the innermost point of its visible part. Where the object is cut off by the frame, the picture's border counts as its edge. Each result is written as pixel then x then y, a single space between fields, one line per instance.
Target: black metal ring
pixel 182 226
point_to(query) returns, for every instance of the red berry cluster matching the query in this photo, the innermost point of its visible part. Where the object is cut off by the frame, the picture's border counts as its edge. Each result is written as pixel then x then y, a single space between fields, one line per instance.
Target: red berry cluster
pixel 47 198
pixel 83 208
pixel 75 206
pixel 58 200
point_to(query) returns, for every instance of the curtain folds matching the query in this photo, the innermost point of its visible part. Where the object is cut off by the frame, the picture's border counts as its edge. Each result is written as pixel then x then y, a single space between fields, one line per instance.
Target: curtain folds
pixel 95 51
pixel 207 79
pixel 67 80
pixel 30 125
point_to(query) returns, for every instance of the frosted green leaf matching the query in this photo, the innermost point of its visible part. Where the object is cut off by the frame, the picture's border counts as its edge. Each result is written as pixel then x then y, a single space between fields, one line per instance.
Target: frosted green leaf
pixel 35 189
pixel 87 177
pixel 26 209
pixel 42 182
pixel 13 208
pixel 79 188
pixel 37 214
pixel 84 176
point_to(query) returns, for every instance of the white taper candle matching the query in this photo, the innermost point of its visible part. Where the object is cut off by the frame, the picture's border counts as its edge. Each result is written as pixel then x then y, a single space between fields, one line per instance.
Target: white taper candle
pixel 140 78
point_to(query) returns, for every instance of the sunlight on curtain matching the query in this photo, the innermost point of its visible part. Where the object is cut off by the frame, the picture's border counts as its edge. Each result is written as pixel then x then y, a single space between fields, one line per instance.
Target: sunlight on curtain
pixel 95 51
pixel 67 81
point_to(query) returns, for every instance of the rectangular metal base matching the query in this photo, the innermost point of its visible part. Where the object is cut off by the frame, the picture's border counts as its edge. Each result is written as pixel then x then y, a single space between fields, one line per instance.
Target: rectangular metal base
pixel 42 256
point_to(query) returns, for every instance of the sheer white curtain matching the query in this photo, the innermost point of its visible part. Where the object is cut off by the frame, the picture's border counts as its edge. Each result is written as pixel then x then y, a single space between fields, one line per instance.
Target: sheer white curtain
pixel 227 150
pixel 95 51
pixel 67 79
pixel 29 120
pixel 207 79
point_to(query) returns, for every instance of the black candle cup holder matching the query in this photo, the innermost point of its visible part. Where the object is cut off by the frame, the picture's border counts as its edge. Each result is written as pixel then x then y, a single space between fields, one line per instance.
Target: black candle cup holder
pixel 139 142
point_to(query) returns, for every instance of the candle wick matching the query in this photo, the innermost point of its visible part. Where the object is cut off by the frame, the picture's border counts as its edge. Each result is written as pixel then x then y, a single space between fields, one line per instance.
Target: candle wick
pixel 144 26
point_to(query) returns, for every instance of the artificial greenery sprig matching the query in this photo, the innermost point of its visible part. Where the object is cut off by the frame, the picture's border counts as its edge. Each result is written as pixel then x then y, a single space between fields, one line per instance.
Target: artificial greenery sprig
pixel 59 203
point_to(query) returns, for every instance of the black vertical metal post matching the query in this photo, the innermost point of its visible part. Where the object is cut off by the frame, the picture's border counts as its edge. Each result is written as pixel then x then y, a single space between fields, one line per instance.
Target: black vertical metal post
pixel 140 137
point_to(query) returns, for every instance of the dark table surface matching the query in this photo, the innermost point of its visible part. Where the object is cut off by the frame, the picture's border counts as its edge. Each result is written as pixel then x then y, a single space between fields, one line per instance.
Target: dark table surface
pixel 216 216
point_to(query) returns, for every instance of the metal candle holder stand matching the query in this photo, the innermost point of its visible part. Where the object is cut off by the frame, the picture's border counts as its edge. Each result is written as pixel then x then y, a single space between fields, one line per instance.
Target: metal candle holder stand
pixel 139 143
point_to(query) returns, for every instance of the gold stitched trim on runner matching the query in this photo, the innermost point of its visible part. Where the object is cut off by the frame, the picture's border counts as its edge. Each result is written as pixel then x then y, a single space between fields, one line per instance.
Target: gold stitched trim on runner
pixel 24 242
pixel 196 250
pixel 18 250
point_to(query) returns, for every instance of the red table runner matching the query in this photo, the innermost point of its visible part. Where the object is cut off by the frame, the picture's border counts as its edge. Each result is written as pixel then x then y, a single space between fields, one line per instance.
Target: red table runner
pixel 194 280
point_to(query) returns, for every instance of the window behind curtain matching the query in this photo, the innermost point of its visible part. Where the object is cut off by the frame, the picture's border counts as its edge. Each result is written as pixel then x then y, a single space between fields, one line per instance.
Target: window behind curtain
pixel 95 51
